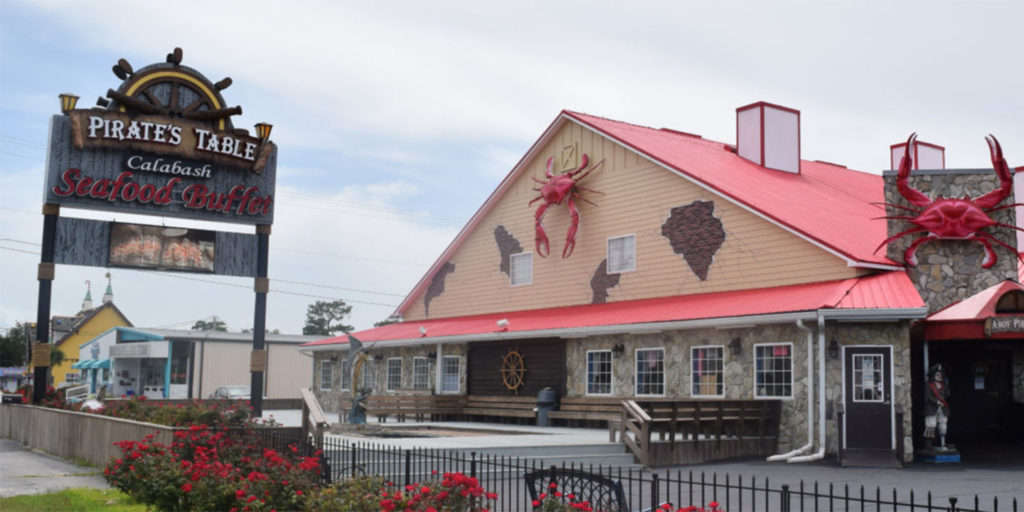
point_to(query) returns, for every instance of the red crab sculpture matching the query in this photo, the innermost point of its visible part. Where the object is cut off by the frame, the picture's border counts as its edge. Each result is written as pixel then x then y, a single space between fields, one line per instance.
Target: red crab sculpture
pixel 554 190
pixel 951 218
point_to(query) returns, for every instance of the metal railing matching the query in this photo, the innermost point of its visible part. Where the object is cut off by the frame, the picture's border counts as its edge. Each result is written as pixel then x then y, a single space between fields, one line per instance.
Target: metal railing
pixel 644 489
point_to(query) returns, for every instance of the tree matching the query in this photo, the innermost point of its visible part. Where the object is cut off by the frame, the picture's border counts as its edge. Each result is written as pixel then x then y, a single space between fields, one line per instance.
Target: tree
pixel 213 324
pixel 12 346
pixel 56 356
pixel 325 318
pixel 393 319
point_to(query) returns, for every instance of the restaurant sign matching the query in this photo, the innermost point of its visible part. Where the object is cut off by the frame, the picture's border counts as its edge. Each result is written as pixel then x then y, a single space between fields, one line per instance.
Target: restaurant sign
pixel 1004 324
pixel 162 144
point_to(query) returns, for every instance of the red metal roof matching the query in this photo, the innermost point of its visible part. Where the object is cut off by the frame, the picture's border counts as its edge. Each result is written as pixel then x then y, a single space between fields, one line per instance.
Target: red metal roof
pixel 887 291
pixel 827 203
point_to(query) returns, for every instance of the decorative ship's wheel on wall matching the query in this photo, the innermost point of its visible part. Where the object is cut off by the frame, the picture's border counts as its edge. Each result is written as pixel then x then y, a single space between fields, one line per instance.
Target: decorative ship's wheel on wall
pixel 513 370
pixel 171 89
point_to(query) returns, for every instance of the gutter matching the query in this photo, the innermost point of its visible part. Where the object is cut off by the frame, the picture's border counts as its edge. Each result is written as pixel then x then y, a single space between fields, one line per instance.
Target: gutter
pixel 583 332
pixel 820 454
pixel 810 393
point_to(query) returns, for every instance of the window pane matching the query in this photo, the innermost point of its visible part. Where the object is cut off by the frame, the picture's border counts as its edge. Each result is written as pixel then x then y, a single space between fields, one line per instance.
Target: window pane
pixel 706 371
pixel 326 374
pixel 394 373
pixel 346 375
pixel 450 374
pixel 650 371
pixel 622 254
pixel 599 372
pixel 774 375
pixel 420 373
pixel 521 268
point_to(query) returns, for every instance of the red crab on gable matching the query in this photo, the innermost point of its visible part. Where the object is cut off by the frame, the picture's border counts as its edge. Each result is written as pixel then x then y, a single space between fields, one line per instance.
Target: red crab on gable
pixel 952 218
pixel 554 190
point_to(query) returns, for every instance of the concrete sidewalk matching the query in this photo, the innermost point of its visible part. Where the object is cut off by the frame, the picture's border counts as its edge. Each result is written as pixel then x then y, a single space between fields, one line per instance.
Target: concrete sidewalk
pixel 25 471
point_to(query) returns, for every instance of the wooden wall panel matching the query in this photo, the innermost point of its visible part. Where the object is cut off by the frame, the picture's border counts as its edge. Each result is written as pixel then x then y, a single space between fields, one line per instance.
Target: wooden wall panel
pixel 545 367
pixel 638 197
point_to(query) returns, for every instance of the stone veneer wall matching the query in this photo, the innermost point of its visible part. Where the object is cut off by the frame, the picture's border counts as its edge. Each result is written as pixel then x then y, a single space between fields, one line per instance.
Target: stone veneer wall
pixel 950 270
pixel 739 370
pixel 336 399
pixel 896 335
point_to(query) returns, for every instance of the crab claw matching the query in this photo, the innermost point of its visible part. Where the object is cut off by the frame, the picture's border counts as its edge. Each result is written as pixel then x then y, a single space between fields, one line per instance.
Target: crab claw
pixel 543 249
pixel 1002 171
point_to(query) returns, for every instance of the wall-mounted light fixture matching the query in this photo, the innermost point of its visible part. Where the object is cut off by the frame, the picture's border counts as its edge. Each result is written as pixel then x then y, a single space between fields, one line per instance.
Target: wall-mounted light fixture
pixel 618 350
pixel 423 331
pixel 333 359
pixel 503 324
pixel 378 357
pixel 263 130
pixel 833 349
pixel 735 347
pixel 432 356
pixel 67 102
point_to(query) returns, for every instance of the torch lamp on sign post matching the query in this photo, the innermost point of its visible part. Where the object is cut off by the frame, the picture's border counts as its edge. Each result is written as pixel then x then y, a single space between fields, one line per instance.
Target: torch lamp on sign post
pixel 258 362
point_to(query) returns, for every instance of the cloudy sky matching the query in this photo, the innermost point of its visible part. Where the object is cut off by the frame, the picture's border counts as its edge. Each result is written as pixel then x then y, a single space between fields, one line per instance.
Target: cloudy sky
pixel 395 120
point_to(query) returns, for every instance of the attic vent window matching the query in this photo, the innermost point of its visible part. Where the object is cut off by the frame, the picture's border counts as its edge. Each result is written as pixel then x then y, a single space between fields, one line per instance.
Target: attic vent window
pixel 1011 302
pixel 769 136
pixel 521 269
pixel 622 254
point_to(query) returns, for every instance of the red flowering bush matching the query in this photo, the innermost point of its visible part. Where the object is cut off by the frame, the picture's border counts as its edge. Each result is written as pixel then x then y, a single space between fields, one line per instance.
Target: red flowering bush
pixel 204 469
pixel 454 492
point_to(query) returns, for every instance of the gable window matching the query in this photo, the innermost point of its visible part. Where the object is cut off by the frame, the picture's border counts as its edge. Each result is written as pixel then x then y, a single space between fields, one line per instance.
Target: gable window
pixel 622 254
pixel 420 373
pixel 599 372
pixel 521 269
pixel 394 373
pixel 326 374
pixel 650 371
pixel 450 374
pixel 773 370
pixel 706 371
pixel 346 375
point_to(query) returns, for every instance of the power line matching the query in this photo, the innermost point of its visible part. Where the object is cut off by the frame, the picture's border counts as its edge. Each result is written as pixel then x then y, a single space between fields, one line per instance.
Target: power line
pixel 386 209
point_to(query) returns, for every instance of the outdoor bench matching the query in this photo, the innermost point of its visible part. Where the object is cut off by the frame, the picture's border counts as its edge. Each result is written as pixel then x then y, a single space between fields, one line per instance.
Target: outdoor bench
pixel 590 409
pixel 518 407
pixel 418 407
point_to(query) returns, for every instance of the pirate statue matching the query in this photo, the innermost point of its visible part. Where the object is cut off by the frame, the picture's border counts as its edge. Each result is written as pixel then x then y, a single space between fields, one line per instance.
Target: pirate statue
pixel 936 408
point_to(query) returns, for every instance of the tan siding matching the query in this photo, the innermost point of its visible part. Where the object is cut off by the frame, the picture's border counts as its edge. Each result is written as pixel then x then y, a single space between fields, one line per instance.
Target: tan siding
pixel 638 196
pixel 227 364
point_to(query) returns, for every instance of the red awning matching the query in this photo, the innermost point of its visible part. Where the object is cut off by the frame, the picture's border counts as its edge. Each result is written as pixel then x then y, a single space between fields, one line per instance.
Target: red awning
pixel 881 295
pixel 968 318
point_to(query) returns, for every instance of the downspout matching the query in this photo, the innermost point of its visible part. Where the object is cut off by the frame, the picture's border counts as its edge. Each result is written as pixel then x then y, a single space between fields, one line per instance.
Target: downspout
pixel 810 397
pixel 820 454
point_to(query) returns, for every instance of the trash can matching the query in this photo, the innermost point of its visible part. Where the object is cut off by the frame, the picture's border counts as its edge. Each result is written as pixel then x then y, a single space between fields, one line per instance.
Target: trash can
pixel 547 401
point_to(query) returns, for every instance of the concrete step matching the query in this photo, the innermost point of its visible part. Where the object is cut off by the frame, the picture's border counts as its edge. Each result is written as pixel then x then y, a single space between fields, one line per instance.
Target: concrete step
pixel 608 454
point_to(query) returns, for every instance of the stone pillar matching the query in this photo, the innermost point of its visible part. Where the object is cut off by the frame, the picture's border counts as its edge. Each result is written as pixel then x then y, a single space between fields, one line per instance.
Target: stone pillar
pixel 950 270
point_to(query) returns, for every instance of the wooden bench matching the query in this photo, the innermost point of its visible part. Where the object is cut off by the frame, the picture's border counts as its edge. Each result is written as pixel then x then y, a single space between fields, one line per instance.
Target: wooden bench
pixel 419 407
pixel 519 407
pixel 590 409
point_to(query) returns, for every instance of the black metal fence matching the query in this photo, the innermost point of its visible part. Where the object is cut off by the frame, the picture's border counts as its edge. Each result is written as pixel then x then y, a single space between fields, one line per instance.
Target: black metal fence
pixel 645 489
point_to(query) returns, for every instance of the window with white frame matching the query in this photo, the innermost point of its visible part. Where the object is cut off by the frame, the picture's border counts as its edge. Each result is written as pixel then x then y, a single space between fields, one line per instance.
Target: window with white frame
pixel 420 373
pixel 450 374
pixel 346 375
pixel 394 373
pixel 650 371
pixel 326 374
pixel 868 379
pixel 622 254
pixel 368 377
pixel 706 371
pixel 773 370
pixel 599 372
pixel 521 269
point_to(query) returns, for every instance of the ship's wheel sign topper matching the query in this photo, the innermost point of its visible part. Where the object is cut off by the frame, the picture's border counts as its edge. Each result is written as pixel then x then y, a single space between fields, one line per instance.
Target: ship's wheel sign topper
pixel 953 218
pixel 554 190
pixel 513 370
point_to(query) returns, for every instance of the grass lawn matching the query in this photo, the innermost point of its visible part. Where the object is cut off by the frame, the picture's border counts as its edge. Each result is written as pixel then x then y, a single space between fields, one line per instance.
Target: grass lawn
pixel 73 500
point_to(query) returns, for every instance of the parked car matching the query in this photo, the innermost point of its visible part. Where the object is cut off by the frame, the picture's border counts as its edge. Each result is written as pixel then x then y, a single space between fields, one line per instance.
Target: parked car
pixel 231 393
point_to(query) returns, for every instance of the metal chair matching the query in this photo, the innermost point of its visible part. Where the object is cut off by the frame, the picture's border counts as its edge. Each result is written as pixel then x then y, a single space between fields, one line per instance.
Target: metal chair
pixel 601 492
